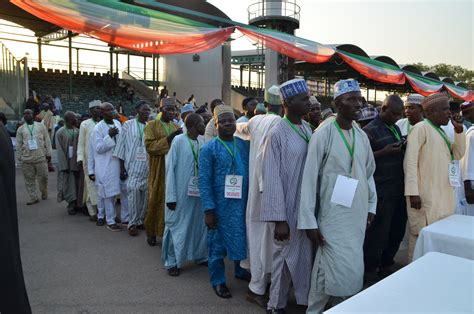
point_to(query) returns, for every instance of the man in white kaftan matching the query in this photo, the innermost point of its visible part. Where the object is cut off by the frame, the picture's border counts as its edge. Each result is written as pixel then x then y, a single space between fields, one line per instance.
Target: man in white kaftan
pixel 259 233
pixel 85 132
pixel 338 268
pixel 185 235
pixel 106 168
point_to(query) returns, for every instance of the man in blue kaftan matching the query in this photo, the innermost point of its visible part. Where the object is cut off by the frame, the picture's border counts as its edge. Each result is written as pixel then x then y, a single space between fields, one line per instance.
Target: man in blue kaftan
pixel 223 185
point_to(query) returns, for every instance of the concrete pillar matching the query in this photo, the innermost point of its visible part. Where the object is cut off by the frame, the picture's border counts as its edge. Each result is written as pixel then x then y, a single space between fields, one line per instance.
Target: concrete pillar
pixel 40 59
pixel 226 72
pixel 271 68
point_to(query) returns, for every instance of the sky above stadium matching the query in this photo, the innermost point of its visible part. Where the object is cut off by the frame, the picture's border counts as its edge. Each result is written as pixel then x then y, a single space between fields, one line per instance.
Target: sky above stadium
pixel 428 31
pixel 437 31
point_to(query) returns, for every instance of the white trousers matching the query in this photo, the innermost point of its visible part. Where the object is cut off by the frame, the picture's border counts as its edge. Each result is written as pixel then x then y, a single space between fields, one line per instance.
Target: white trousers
pixel 124 216
pixel 260 245
pixel 106 209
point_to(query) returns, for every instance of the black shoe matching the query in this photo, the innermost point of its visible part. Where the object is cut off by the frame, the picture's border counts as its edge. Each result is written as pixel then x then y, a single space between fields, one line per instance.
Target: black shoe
pixel 71 211
pixel 258 299
pixel 151 241
pixel 100 222
pixel 114 228
pixel 222 291
pixel 246 276
pixel 93 218
pixel 117 220
pixel 174 271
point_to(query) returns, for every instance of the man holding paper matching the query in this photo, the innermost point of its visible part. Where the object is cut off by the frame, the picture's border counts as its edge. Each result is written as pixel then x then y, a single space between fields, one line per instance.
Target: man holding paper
pixel 431 167
pixel 338 199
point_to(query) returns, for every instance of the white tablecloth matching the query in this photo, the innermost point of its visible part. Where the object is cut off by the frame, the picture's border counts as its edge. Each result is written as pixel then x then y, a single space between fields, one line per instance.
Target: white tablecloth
pixel 453 235
pixel 435 283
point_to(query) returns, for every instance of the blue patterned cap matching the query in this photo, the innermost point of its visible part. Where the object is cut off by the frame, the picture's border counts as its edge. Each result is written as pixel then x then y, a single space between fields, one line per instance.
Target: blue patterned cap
pixel 346 86
pixel 187 108
pixel 293 87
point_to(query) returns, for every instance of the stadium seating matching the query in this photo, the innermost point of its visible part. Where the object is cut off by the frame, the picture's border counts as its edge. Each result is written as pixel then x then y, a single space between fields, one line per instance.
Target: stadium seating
pixel 85 88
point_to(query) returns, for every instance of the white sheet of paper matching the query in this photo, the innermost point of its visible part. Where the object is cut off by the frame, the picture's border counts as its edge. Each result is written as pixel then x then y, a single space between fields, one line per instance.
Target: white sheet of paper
pixel 70 152
pixel 344 191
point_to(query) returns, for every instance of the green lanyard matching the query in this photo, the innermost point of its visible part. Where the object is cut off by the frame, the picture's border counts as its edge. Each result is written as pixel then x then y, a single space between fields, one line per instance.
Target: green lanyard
pixel 298 131
pixel 71 133
pixel 167 127
pixel 140 130
pixel 227 148
pixel 195 154
pixel 270 112
pixel 394 132
pixel 444 136
pixel 346 143
pixel 31 129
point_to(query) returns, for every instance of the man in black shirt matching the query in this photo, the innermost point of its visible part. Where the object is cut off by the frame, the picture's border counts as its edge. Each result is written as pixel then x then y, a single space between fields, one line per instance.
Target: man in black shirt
pixel 387 230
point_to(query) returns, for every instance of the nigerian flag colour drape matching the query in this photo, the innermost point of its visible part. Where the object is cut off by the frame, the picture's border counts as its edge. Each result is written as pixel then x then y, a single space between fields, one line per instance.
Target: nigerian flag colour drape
pixel 138 28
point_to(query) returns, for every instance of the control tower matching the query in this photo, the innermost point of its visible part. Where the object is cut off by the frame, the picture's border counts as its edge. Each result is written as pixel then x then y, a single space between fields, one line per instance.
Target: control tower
pixel 281 15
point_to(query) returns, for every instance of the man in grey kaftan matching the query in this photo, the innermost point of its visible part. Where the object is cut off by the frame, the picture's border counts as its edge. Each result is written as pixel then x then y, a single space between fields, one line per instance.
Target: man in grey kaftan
pixel 339 264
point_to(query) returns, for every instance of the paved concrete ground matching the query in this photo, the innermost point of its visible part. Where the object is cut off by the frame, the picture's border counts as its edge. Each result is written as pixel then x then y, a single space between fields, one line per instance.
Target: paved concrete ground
pixel 73 266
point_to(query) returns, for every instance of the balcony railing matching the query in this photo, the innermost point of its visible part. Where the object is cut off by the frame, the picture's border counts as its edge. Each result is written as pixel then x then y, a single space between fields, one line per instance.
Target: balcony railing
pixel 287 9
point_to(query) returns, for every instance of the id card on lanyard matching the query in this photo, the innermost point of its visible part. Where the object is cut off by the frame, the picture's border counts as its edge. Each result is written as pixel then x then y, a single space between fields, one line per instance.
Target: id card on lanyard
pixel 233 182
pixel 140 155
pixel 32 143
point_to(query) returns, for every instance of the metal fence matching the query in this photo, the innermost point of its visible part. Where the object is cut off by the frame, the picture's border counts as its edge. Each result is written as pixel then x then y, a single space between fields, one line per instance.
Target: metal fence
pixel 13 83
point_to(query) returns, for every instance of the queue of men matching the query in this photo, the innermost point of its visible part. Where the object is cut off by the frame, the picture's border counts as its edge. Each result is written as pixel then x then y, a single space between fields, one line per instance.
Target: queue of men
pixel 292 200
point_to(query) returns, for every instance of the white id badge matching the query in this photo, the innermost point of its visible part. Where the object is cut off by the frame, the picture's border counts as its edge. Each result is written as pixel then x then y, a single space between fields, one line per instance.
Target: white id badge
pixel 141 154
pixel 70 151
pixel 32 144
pixel 344 191
pixel 233 186
pixel 454 173
pixel 193 187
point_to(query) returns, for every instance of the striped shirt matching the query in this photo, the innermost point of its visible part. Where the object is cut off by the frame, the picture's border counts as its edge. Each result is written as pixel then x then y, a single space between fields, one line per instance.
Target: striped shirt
pixel 130 148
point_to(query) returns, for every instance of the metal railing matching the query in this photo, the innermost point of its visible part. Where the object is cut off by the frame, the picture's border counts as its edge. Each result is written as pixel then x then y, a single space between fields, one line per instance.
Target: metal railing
pixel 13 83
pixel 284 8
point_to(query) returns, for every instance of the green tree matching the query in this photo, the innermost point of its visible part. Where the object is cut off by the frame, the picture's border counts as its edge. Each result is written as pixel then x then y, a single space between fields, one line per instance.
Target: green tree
pixel 456 72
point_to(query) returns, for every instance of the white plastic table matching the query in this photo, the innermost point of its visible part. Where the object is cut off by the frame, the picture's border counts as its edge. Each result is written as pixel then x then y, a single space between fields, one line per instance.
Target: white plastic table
pixel 453 235
pixel 435 283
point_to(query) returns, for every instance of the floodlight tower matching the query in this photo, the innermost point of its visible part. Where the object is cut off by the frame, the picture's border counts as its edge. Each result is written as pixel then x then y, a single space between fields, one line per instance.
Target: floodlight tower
pixel 281 15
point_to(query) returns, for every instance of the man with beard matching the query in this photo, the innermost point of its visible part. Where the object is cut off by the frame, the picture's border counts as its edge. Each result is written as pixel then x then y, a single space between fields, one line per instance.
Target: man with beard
pixel 184 238
pixel 338 200
pixel 159 134
pixel 284 159
pixel 131 151
pixel 430 159
pixel 248 105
